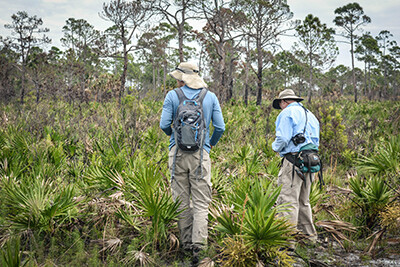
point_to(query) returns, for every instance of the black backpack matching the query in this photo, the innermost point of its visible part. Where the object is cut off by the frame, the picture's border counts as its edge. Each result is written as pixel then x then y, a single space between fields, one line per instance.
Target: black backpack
pixel 189 126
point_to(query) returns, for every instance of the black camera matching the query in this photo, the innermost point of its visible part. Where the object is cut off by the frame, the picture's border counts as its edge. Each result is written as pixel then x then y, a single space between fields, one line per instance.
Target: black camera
pixel 298 139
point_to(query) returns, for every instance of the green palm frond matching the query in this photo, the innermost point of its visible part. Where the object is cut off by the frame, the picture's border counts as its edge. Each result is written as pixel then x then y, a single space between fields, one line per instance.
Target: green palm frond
pixel 317 194
pixel 11 255
pixel 253 216
pixel 371 195
pixel 384 160
pixel 262 229
pixel 151 197
pixel 104 178
pixel 37 204
pixel 378 193
pixel 228 221
pixel 145 179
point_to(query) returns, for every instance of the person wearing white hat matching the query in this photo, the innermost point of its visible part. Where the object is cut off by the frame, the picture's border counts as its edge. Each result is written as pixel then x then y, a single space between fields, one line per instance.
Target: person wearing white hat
pixel 193 192
pixel 295 127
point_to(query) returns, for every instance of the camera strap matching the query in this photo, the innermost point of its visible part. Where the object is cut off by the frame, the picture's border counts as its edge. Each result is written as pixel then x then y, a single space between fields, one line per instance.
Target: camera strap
pixel 305 111
pixel 305 126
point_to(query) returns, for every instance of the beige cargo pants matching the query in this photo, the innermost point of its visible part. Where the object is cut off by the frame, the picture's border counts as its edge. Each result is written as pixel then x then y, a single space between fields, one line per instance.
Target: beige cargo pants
pixel 194 192
pixel 296 193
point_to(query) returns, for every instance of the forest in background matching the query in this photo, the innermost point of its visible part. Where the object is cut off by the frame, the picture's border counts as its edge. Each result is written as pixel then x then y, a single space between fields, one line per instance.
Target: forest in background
pixel 238 51
pixel 83 163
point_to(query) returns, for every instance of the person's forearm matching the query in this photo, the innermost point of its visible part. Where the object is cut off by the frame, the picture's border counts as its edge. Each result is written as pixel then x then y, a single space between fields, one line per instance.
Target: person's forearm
pixel 216 136
pixel 278 144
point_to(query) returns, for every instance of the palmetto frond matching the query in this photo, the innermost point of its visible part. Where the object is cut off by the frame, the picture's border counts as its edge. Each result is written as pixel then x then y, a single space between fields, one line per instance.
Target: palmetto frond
pixel 253 215
pixel 36 203
pixel 384 160
pixel 139 258
pixel 104 178
pixel 11 255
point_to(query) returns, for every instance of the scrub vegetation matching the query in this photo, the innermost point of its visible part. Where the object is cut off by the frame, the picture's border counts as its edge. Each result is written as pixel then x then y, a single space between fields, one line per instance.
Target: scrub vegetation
pixel 88 184
pixel 84 179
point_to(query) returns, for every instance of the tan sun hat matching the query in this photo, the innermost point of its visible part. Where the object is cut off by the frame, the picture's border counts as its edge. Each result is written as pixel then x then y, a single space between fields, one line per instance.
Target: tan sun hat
pixel 287 94
pixel 189 74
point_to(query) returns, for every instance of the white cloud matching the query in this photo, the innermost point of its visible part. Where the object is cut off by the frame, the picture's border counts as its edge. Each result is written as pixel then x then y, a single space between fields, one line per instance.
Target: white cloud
pixel 54 1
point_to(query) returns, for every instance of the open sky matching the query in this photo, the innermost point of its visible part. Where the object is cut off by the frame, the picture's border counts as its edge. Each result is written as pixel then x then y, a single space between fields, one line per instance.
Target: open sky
pixel 384 15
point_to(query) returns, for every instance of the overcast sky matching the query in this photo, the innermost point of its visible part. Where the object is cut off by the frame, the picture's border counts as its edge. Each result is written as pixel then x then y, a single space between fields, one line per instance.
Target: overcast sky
pixel 384 15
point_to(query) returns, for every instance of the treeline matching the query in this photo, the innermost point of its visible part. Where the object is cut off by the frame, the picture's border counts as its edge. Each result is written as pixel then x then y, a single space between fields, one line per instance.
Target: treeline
pixel 238 50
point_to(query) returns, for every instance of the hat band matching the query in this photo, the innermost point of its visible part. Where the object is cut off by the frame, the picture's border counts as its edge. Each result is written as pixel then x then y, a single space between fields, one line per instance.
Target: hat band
pixel 181 70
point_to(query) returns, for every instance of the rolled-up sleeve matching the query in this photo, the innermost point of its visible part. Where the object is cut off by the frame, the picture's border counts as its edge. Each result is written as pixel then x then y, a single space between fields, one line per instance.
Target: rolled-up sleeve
pixel 167 115
pixel 217 122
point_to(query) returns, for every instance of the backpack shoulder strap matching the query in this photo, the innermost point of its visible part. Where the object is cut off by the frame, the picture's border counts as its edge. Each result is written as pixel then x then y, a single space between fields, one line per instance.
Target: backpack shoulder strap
pixel 202 95
pixel 181 95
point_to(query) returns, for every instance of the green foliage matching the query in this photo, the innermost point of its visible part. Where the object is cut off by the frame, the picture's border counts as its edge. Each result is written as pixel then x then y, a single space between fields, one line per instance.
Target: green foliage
pixel 333 139
pixel 11 255
pixel 249 160
pixel 317 194
pixel 238 253
pixel 371 196
pixel 390 218
pixel 88 183
pixel 384 160
pixel 37 204
pixel 153 200
pixel 252 220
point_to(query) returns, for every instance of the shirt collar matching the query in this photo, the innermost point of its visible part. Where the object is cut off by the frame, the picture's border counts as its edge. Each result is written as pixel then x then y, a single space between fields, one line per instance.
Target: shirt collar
pixel 294 104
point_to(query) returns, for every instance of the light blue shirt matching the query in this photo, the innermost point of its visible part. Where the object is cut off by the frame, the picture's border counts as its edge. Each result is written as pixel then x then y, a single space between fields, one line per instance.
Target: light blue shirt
pixel 290 122
pixel 212 112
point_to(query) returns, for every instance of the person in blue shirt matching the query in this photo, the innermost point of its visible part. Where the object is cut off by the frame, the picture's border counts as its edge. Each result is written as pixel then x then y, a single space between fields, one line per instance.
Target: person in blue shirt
pixel 292 120
pixel 194 193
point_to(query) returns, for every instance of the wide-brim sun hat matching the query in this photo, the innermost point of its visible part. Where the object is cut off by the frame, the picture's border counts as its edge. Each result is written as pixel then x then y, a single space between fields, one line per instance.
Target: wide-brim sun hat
pixel 287 94
pixel 189 74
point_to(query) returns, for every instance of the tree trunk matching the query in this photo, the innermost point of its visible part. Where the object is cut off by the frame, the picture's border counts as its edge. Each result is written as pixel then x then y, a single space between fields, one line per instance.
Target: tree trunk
pixel 37 92
pixel 246 84
pixel 158 77
pixel 180 41
pixel 369 83
pixel 123 76
pixel 165 78
pixel 259 73
pixel 230 88
pixel 352 67
pixel 311 79
pixel 222 72
pixel 365 79
pixel 154 76
pixel 23 83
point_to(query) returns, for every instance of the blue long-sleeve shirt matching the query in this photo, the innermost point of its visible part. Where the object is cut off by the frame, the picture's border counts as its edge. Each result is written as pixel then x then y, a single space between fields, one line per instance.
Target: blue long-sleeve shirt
pixel 290 122
pixel 212 112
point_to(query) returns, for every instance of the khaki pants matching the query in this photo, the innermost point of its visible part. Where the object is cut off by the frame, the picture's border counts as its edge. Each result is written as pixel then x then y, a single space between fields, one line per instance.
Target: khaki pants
pixel 194 192
pixel 296 193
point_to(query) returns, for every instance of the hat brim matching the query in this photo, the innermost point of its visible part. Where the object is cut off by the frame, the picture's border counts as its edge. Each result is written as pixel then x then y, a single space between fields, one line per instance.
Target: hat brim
pixel 193 81
pixel 275 103
pixel 177 75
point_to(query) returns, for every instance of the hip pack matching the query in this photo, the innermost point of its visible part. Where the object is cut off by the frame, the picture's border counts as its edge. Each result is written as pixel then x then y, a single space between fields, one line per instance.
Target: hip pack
pixel 307 161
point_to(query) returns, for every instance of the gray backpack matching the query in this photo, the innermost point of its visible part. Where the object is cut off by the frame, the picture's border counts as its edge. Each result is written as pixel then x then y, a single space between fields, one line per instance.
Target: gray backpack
pixel 189 125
